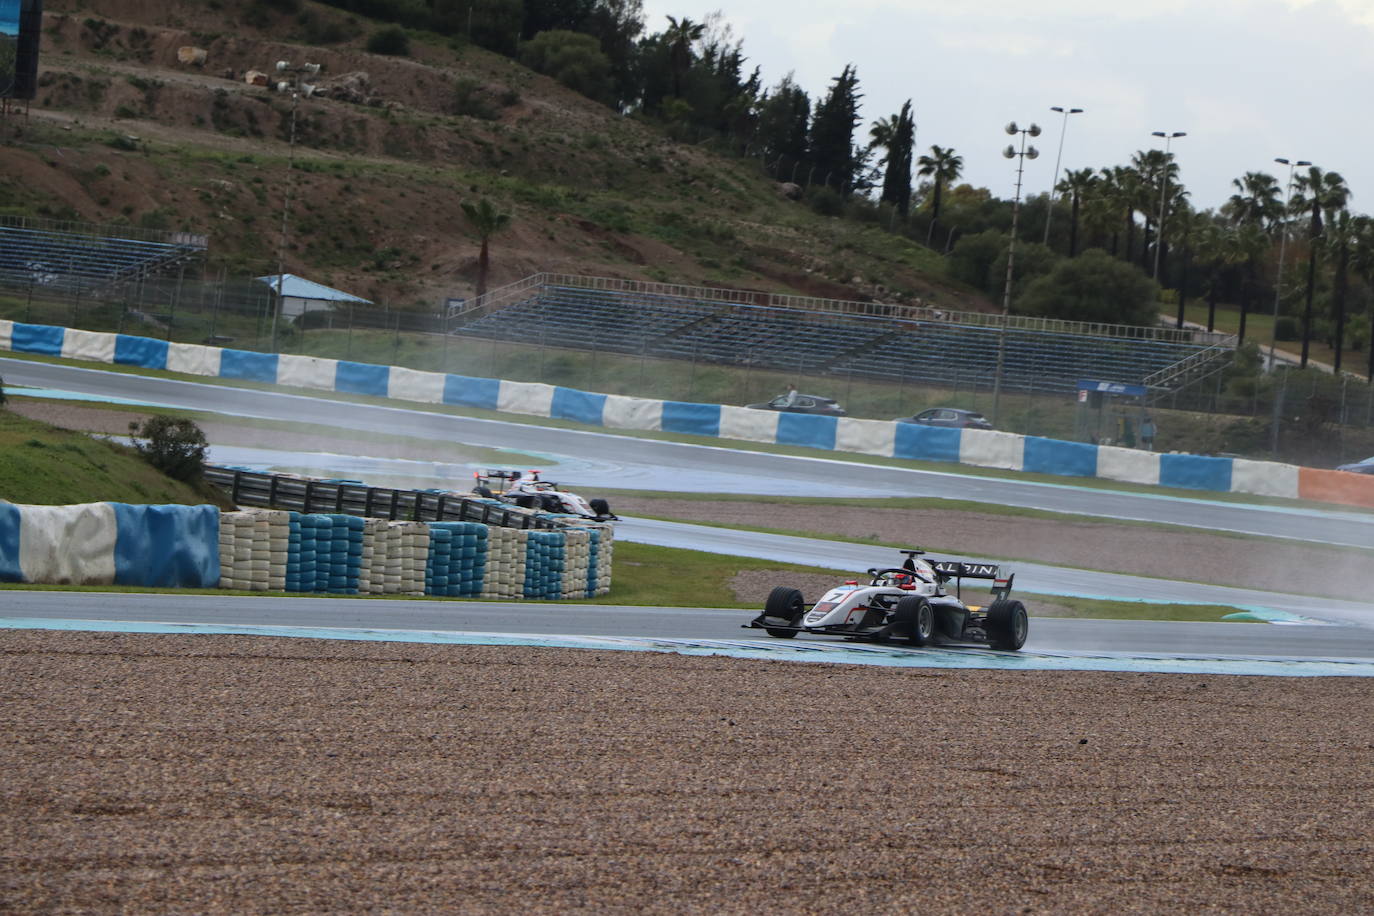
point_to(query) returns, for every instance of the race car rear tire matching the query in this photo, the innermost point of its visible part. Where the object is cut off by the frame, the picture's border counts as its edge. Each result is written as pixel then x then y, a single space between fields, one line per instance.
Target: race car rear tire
pixel 1007 625
pixel 526 502
pixel 600 506
pixel 552 504
pixel 915 619
pixel 484 492
pixel 784 604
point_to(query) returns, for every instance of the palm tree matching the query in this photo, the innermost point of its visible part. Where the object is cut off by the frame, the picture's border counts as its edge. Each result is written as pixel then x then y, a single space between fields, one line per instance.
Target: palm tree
pixel 680 36
pixel 1249 243
pixel 486 222
pixel 1151 168
pixel 895 135
pixel 942 167
pixel 1258 200
pixel 1077 185
pixel 1321 193
pixel 1216 249
pixel 1344 235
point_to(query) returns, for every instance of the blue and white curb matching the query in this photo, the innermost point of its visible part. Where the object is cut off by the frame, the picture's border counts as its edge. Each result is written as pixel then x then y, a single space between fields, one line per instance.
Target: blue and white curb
pixel 772 650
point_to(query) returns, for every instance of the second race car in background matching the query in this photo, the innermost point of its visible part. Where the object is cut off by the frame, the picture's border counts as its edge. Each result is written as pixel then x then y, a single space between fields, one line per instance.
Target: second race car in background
pixel 526 489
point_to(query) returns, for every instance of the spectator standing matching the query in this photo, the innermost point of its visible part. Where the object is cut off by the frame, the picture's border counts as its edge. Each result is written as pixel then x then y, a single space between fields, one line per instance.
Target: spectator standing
pixel 1147 433
pixel 791 399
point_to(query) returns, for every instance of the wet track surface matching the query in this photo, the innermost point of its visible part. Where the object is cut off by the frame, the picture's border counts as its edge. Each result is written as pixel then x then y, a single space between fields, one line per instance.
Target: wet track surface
pixel 598 459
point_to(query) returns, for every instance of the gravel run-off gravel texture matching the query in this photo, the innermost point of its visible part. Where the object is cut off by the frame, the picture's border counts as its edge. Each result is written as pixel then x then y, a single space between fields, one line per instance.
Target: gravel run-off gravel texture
pixel 218 774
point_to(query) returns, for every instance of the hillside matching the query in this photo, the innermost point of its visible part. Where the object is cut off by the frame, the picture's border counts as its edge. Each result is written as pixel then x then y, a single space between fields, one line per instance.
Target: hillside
pixel 41 464
pixel 121 131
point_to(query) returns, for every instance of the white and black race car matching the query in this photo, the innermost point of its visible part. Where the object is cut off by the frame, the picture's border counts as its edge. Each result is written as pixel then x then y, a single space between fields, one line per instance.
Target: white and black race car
pixel 526 489
pixel 909 602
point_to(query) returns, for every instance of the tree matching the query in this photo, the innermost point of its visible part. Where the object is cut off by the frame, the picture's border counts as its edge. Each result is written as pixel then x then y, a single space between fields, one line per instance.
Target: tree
pixel 1258 200
pixel 680 36
pixel 897 135
pixel 555 15
pixel 1077 185
pixel 617 24
pixel 574 59
pixel 486 222
pixel 784 116
pixel 832 132
pixel 1318 192
pixel 943 167
pixel 391 40
pixel 1093 287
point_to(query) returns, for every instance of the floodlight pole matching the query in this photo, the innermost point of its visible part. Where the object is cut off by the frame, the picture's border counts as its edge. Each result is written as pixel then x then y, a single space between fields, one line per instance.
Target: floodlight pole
pixel 1163 192
pixel 1020 156
pixel 295 88
pixel 1283 245
pixel 1063 128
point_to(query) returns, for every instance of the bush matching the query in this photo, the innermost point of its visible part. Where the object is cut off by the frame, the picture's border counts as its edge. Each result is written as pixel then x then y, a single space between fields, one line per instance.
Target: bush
pixel 173 445
pixel 1093 287
pixel 574 59
pixel 825 200
pixel 392 41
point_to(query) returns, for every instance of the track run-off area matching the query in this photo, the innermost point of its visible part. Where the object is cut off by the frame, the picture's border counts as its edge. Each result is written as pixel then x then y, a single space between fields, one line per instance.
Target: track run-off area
pixel 1322 636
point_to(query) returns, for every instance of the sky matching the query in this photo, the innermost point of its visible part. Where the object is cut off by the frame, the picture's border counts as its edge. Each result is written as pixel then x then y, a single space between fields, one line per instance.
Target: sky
pixel 1246 80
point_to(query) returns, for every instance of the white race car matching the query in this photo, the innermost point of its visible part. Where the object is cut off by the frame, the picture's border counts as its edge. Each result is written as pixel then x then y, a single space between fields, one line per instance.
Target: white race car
pixel 908 602
pixel 527 490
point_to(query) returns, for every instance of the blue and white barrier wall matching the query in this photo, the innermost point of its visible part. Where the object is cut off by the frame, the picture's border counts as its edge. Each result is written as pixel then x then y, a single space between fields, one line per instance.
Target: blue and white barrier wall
pixel 982 448
pixel 273 550
pixel 110 544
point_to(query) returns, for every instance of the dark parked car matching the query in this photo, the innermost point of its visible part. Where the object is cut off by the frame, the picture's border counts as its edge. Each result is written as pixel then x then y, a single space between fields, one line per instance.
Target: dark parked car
pixel 1359 467
pixel 949 416
pixel 803 403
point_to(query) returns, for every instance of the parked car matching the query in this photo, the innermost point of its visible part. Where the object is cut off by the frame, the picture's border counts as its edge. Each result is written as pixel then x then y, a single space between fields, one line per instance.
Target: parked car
pixel 803 403
pixel 1359 467
pixel 949 416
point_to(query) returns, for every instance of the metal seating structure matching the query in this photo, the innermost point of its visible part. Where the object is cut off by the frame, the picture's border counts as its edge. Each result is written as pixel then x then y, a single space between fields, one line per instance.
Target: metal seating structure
pixel 954 350
pixel 84 257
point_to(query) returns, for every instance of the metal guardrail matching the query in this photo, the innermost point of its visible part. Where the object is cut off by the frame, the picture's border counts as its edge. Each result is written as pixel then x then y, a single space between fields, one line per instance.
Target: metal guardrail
pixel 300 494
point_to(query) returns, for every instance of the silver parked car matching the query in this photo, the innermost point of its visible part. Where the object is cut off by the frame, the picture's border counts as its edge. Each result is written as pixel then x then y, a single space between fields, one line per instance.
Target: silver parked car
pixel 949 416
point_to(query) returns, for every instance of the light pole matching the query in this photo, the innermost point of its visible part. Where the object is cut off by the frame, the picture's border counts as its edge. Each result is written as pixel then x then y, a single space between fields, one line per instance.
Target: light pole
pixel 1164 192
pixel 1283 244
pixel 1021 155
pixel 294 87
pixel 1063 128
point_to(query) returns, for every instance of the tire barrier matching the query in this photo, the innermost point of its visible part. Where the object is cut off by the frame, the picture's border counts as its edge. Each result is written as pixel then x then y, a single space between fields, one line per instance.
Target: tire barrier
pixel 279 550
pixel 981 448
pixel 110 544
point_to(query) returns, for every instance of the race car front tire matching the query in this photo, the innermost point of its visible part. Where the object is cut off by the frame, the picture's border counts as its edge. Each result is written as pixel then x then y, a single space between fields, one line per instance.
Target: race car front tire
pixel 1007 625
pixel 915 619
pixel 601 507
pixel 784 604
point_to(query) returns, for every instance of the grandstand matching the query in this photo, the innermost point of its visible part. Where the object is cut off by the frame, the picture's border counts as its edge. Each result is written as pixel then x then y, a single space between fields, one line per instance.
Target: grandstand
pixel 85 258
pixel 913 345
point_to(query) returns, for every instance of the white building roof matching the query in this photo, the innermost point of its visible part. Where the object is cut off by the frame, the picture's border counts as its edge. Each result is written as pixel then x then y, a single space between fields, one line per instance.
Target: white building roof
pixel 301 288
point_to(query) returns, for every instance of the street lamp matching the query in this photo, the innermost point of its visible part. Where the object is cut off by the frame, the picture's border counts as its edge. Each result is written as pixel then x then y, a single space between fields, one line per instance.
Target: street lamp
pixel 1164 192
pixel 295 87
pixel 1064 126
pixel 1283 244
pixel 1021 155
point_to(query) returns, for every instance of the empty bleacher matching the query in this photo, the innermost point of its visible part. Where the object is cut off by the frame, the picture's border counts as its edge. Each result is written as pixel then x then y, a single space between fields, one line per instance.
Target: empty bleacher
pixel 584 319
pixel 83 257
pixel 955 355
pixel 1045 357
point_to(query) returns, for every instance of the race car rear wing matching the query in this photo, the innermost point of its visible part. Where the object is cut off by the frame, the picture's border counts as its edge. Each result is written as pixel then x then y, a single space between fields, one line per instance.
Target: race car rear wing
pixel 959 570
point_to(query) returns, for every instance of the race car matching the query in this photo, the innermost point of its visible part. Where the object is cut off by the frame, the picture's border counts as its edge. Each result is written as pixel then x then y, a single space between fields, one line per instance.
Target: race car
pixel 909 602
pixel 528 490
